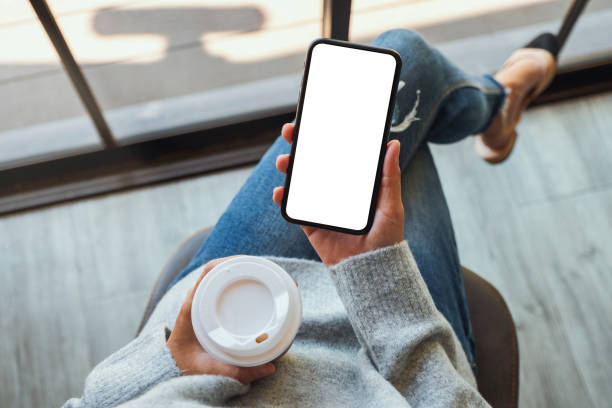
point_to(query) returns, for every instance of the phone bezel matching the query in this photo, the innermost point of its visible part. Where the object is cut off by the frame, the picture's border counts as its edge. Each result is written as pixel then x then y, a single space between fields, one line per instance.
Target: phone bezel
pixel 384 136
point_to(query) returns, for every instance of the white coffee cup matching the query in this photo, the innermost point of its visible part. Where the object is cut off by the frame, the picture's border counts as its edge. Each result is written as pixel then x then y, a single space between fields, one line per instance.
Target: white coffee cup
pixel 246 311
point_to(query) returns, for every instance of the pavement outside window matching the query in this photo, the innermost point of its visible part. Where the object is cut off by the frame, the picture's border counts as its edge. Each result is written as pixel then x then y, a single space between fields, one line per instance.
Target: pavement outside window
pixel 159 65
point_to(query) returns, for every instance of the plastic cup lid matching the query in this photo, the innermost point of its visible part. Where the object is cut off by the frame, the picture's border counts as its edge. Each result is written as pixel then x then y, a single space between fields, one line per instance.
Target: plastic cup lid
pixel 246 311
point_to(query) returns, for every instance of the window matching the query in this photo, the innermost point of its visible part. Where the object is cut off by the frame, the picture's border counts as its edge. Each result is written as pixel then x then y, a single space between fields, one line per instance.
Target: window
pixel 159 89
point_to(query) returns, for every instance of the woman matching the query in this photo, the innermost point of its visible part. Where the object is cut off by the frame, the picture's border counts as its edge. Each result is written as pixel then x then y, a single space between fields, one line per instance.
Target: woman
pixel 385 323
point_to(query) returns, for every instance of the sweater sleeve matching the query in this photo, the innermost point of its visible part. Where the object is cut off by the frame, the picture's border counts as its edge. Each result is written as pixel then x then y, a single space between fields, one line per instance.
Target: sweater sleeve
pixel 407 340
pixel 129 372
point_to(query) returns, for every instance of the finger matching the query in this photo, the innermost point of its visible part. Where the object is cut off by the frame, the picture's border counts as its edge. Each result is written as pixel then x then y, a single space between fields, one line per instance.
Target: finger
pixel 391 183
pixel 247 375
pixel 287 132
pixel 282 163
pixel 277 195
pixel 308 230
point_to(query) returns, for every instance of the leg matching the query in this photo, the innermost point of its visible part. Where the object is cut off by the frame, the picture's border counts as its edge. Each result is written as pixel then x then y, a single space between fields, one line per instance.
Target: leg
pixel 448 105
pixel 436 101
pixel 252 224
pixel 429 231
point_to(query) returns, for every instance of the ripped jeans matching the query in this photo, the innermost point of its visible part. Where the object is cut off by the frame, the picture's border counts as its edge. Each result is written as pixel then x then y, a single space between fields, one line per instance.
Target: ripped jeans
pixel 437 103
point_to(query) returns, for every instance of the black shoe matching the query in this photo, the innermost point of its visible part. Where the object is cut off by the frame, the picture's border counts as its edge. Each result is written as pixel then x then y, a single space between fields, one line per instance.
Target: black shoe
pixel 545 41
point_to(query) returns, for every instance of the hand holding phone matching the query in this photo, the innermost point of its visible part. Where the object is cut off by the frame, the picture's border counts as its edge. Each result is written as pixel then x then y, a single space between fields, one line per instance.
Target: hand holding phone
pixel 388 223
pixel 341 128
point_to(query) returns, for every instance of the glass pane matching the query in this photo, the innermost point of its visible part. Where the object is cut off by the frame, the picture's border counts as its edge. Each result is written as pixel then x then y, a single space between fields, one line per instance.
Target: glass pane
pixel 40 112
pixel 480 34
pixel 159 65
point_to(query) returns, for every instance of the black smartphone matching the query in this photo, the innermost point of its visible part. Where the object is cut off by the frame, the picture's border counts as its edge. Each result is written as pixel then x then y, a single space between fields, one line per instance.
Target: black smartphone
pixel 341 129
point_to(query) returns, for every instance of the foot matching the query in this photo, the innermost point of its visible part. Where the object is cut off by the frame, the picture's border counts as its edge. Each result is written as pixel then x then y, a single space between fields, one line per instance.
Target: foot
pixel 524 75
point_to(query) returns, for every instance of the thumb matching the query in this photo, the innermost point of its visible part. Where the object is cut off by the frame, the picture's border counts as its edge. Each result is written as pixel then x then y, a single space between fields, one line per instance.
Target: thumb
pixel 391 183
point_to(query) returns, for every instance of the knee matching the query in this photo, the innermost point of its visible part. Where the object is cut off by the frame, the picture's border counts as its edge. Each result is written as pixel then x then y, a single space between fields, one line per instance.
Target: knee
pixel 403 34
pixel 406 42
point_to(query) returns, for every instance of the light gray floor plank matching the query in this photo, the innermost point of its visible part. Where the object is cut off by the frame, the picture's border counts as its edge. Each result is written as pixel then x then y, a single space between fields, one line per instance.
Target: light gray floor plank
pixel 76 277
pixel 494 243
pixel 574 260
pixel 538 227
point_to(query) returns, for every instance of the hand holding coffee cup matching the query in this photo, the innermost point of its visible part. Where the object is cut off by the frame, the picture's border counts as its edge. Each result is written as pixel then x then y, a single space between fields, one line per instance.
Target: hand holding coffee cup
pixel 242 313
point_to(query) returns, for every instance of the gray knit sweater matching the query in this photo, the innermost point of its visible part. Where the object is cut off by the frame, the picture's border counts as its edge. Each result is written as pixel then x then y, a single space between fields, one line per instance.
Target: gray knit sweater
pixel 371 337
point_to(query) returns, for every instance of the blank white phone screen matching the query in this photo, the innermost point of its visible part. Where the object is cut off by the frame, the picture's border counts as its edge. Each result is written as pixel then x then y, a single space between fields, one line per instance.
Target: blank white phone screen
pixel 340 135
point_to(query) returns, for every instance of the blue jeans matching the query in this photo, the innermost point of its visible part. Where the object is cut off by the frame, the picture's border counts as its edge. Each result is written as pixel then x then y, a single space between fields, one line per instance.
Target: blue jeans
pixel 436 103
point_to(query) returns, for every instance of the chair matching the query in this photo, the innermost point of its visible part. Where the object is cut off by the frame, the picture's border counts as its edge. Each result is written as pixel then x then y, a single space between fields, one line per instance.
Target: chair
pixel 494 330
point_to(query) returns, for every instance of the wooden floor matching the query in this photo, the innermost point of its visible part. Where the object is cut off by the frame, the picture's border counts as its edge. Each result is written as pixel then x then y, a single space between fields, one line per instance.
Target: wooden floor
pixel 75 278
pixel 539 227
